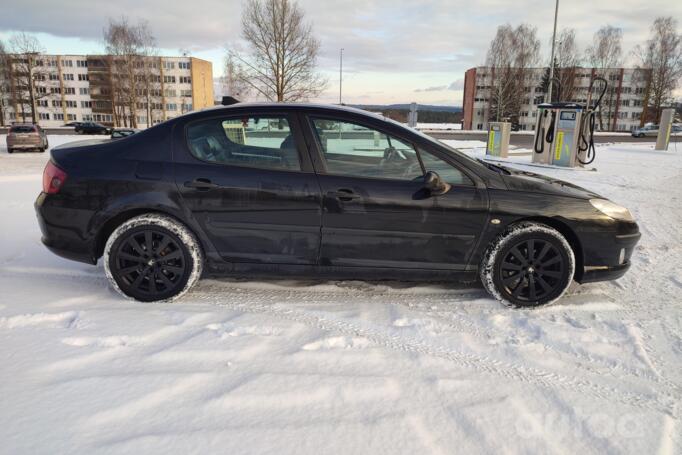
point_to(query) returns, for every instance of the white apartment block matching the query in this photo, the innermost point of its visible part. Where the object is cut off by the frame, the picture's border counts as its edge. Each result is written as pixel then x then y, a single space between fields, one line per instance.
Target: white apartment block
pixel 71 88
pixel 622 105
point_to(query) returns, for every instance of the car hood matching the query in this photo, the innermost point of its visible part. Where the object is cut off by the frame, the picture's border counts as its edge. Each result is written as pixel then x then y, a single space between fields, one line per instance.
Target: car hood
pixel 535 183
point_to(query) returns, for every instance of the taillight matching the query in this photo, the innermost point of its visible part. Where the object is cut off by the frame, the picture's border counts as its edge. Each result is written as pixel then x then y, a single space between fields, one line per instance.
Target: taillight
pixel 53 178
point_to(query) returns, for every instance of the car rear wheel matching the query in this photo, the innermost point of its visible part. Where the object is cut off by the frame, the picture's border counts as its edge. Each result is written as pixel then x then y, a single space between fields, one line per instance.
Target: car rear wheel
pixel 152 257
pixel 530 264
pixel 10 150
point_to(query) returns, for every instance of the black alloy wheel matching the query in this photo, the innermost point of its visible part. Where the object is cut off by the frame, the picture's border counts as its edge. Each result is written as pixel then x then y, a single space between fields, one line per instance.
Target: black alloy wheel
pixel 532 271
pixel 150 263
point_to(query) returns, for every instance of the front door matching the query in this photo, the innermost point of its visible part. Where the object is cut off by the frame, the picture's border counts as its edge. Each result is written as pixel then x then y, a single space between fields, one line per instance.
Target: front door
pixel 248 184
pixel 376 211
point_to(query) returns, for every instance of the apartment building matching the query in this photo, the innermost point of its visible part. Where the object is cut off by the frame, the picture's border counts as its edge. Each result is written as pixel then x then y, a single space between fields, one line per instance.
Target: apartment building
pixel 82 88
pixel 622 105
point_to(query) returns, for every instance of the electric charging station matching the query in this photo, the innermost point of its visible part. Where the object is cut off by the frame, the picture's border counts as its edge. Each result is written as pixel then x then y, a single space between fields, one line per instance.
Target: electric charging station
pixel 557 134
pixel 564 132
pixel 498 139
pixel 664 129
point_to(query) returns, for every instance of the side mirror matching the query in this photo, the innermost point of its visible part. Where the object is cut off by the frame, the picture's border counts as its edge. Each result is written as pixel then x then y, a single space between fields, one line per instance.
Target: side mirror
pixel 434 184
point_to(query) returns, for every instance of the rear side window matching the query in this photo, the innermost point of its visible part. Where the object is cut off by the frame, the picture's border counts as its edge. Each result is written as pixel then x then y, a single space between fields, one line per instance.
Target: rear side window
pixel 22 129
pixel 262 142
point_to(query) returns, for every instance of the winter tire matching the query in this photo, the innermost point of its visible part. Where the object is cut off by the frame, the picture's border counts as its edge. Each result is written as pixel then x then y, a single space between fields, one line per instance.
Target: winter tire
pixel 152 257
pixel 10 150
pixel 530 264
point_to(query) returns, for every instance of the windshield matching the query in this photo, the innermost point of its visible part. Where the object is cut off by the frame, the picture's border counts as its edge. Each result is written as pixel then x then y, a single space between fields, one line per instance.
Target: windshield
pixel 21 129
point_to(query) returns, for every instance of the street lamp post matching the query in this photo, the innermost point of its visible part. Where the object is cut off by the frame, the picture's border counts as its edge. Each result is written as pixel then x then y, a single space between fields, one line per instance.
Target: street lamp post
pixel 551 61
pixel 340 75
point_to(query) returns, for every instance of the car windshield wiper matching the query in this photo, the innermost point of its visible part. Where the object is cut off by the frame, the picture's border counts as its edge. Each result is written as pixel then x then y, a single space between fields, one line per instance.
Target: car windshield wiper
pixel 494 167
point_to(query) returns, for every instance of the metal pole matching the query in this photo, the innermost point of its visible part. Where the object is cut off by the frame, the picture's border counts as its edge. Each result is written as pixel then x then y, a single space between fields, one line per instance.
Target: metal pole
pixel 551 61
pixel 340 74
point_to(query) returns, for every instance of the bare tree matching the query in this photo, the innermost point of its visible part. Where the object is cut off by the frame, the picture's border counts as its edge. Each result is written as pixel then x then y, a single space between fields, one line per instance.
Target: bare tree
pixel 30 74
pixel 512 52
pixel 148 72
pixel 4 81
pixel 130 47
pixel 606 50
pixel 230 81
pixel 662 57
pixel 280 65
pixel 567 60
pixel 606 53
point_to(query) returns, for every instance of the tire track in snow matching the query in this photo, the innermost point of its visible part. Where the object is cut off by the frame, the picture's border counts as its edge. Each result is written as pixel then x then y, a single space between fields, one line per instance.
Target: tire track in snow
pixel 455 320
pixel 658 401
pixel 427 301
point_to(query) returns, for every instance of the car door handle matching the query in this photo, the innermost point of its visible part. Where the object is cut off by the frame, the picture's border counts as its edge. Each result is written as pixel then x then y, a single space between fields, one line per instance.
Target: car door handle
pixel 343 194
pixel 201 184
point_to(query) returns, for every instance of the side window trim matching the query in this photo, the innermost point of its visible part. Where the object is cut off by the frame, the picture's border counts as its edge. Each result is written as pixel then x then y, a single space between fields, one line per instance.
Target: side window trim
pixel 318 151
pixel 294 126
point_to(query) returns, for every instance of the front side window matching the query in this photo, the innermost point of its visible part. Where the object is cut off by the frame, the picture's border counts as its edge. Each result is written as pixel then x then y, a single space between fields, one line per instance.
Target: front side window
pixel 262 142
pixel 355 150
pixel 445 170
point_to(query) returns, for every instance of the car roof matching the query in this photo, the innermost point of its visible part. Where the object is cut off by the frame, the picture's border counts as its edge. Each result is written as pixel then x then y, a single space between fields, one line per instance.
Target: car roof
pixel 291 106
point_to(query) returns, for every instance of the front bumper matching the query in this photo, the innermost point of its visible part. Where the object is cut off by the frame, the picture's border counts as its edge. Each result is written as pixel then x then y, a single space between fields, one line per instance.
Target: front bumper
pixel 609 259
pixel 604 273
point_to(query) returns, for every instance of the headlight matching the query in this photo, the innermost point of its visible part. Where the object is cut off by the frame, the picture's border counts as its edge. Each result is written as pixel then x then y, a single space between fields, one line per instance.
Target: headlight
pixel 615 211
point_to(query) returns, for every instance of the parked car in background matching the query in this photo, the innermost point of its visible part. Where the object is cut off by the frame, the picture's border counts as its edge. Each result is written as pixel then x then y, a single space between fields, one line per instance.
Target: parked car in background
pixel 26 136
pixel 118 133
pixel 92 128
pixel 646 131
pixel 73 124
pixel 331 191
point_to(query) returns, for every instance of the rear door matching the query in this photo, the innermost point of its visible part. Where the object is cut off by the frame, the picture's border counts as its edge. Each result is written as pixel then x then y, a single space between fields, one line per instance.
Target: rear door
pixel 248 181
pixel 376 211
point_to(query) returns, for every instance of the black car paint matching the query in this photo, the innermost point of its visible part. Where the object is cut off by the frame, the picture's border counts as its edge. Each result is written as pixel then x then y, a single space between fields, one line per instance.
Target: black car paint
pixel 252 220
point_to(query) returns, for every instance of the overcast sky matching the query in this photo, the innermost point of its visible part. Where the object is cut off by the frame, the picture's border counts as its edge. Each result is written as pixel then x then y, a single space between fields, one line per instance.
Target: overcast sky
pixel 395 50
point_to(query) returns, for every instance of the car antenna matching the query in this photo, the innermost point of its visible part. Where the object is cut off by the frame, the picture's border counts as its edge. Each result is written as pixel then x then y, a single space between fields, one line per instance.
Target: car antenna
pixel 229 100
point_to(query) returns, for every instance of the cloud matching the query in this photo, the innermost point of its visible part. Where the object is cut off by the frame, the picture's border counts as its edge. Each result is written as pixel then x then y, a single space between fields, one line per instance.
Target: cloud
pixel 456 85
pixel 437 88
pixel 430 41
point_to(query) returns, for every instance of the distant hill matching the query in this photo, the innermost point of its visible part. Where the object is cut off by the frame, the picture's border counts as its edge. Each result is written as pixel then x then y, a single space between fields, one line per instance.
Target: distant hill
pixel 402 107
pixel 426 113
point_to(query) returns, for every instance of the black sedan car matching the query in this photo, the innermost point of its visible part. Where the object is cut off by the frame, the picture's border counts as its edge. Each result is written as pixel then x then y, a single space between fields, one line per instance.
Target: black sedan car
pixel 294 189
pixel 119 133
pixel 91 128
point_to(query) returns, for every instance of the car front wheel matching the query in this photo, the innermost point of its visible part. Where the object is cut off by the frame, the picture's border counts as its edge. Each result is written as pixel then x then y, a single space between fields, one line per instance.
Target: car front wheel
pixel 152 257
pixel 530 264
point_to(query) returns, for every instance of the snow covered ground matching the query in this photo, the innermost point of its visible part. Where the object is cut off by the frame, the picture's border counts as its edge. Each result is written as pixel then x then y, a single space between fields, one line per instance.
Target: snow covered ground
pixel 345 367
pixel 438 126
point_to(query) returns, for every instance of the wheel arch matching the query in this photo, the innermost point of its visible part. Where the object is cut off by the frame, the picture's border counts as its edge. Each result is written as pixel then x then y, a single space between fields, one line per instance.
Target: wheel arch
pixel 118 219
pixel 570 236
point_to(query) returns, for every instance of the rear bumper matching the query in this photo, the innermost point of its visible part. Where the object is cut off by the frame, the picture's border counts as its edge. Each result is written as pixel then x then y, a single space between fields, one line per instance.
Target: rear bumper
pixel 24 146
pixel 60 235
